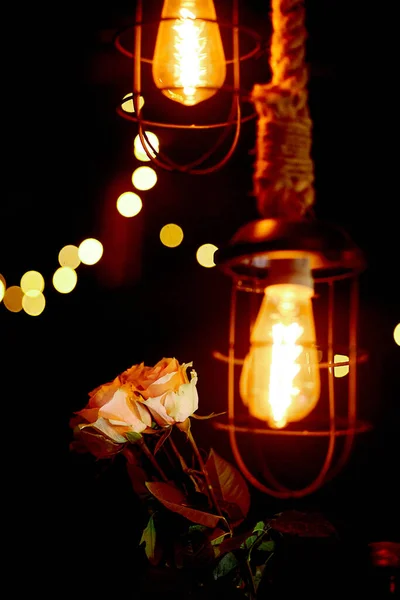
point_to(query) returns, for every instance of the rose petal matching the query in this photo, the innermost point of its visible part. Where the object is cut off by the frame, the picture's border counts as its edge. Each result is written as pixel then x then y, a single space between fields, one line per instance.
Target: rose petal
pixel 104 393
pixel 103 426
pixel 122 407
pixel 175 407
pixel 186 401
pixel 89 414
pixel 157 409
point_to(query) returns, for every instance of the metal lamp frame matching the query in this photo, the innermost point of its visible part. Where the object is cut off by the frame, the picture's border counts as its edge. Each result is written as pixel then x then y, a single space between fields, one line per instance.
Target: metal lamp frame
pixel 235 117
pixel 334 257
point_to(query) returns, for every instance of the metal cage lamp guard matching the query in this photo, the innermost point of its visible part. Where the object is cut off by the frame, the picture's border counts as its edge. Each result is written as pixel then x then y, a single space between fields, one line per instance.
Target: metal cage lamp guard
pixel 236 116
pixel 335 260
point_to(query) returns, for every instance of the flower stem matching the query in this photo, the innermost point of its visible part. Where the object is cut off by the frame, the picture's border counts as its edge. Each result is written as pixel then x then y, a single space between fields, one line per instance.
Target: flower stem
pixel 179 456
pixel 152 460
pixel 203 468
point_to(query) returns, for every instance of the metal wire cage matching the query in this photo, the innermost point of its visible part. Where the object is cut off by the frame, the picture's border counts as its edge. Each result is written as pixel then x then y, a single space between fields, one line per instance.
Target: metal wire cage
pixel 239 97
pixel 336 263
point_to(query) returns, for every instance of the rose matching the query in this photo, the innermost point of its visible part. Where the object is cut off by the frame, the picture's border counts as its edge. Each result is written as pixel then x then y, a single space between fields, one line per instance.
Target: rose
pixel 114 409
pixel 165 389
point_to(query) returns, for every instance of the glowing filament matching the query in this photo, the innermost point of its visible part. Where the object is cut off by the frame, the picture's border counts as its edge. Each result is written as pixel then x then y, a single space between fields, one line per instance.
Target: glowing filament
pixel 284 369
pixel 280 380
pixel 189 61
pixel 190 70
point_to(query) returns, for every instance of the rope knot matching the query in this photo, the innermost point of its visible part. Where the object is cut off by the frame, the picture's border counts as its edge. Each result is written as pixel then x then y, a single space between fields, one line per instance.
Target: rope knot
pixel 284 172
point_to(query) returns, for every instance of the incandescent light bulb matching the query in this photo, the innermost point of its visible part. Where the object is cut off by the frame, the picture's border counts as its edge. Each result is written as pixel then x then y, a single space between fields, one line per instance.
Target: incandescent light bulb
pixel 189 61
pixel 280 380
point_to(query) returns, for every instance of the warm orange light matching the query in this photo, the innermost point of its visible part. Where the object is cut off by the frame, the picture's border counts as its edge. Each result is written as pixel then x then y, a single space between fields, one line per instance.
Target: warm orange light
pixel 69 256
pixel 280 379
pixel 171 235
pixel 140 152
pixel 31 282
pixel 396 334
pixel 144 178
pixel 2 290
pixel 90 251
pixel 33 303
pixel 13 298
pixel 189 61
pixel 129 204
pixel 205 255
pixel 342 370
pixel 64 280
pixel 127 103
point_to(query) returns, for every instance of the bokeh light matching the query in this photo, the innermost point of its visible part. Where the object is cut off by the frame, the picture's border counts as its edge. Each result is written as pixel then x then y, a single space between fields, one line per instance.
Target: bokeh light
pixel 32 281
pixel 140 152
pixel 33 304
pixel 396 334
pixel 144 178
pixel 69 256
pixel 343 369
pixel 64 280
pixel 127 103
pixel 90 251
pixel 129 204
pixel 205 255
pixel 171 235
pixel 13 298
pixel 2 290
pixel 3 280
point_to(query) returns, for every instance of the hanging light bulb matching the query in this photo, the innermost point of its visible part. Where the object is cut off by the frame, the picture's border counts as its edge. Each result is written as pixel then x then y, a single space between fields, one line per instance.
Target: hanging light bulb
pixel 189 61
pixel 280 379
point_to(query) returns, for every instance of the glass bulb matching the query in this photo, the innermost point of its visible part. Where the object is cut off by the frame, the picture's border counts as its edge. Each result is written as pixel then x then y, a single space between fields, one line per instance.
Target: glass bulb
pixel 280 379
pixel 189 61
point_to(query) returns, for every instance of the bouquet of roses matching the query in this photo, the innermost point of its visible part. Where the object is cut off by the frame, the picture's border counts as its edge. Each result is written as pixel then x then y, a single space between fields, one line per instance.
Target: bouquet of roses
pixel 196 504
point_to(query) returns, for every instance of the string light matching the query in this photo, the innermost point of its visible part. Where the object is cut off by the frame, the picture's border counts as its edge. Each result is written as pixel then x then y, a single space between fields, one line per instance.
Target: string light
pixel 205 255
pixel 171 235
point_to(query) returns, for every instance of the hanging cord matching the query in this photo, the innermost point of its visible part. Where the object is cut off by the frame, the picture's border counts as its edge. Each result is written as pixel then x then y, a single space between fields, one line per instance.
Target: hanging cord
pixel 284 172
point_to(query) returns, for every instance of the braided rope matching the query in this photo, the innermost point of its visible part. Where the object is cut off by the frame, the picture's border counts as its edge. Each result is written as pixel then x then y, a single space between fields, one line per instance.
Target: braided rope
pixel 284 172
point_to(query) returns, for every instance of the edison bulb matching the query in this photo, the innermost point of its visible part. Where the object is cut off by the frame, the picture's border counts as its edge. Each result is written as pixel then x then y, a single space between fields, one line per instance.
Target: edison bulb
pixel 280 379
pixel 189 61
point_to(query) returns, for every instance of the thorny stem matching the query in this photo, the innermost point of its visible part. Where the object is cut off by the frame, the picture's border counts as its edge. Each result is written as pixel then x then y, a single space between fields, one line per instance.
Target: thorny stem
pixel 179 456
pixel 203 468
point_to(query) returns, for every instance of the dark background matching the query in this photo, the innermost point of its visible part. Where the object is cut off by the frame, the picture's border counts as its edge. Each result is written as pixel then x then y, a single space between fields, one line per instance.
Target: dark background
pixel 66 158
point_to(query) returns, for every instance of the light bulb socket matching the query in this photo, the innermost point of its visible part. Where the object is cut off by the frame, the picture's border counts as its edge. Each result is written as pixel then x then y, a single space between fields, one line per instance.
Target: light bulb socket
pixel 290 270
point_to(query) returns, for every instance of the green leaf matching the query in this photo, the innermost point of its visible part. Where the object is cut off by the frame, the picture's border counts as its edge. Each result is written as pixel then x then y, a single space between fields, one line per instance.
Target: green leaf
pixel 218 536
pixel 226 565
pixel 175 500
pixel 133 437
pixel 258 575
pixel 229 487
pixel 201 528
pixel 267 546
pixel 260 526
pixel 248 542
pixel 149 539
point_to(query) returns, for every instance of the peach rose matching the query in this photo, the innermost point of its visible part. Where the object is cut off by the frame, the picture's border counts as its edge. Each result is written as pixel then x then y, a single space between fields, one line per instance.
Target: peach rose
pixel 142 377
pixel 166 390
pixel 114 409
